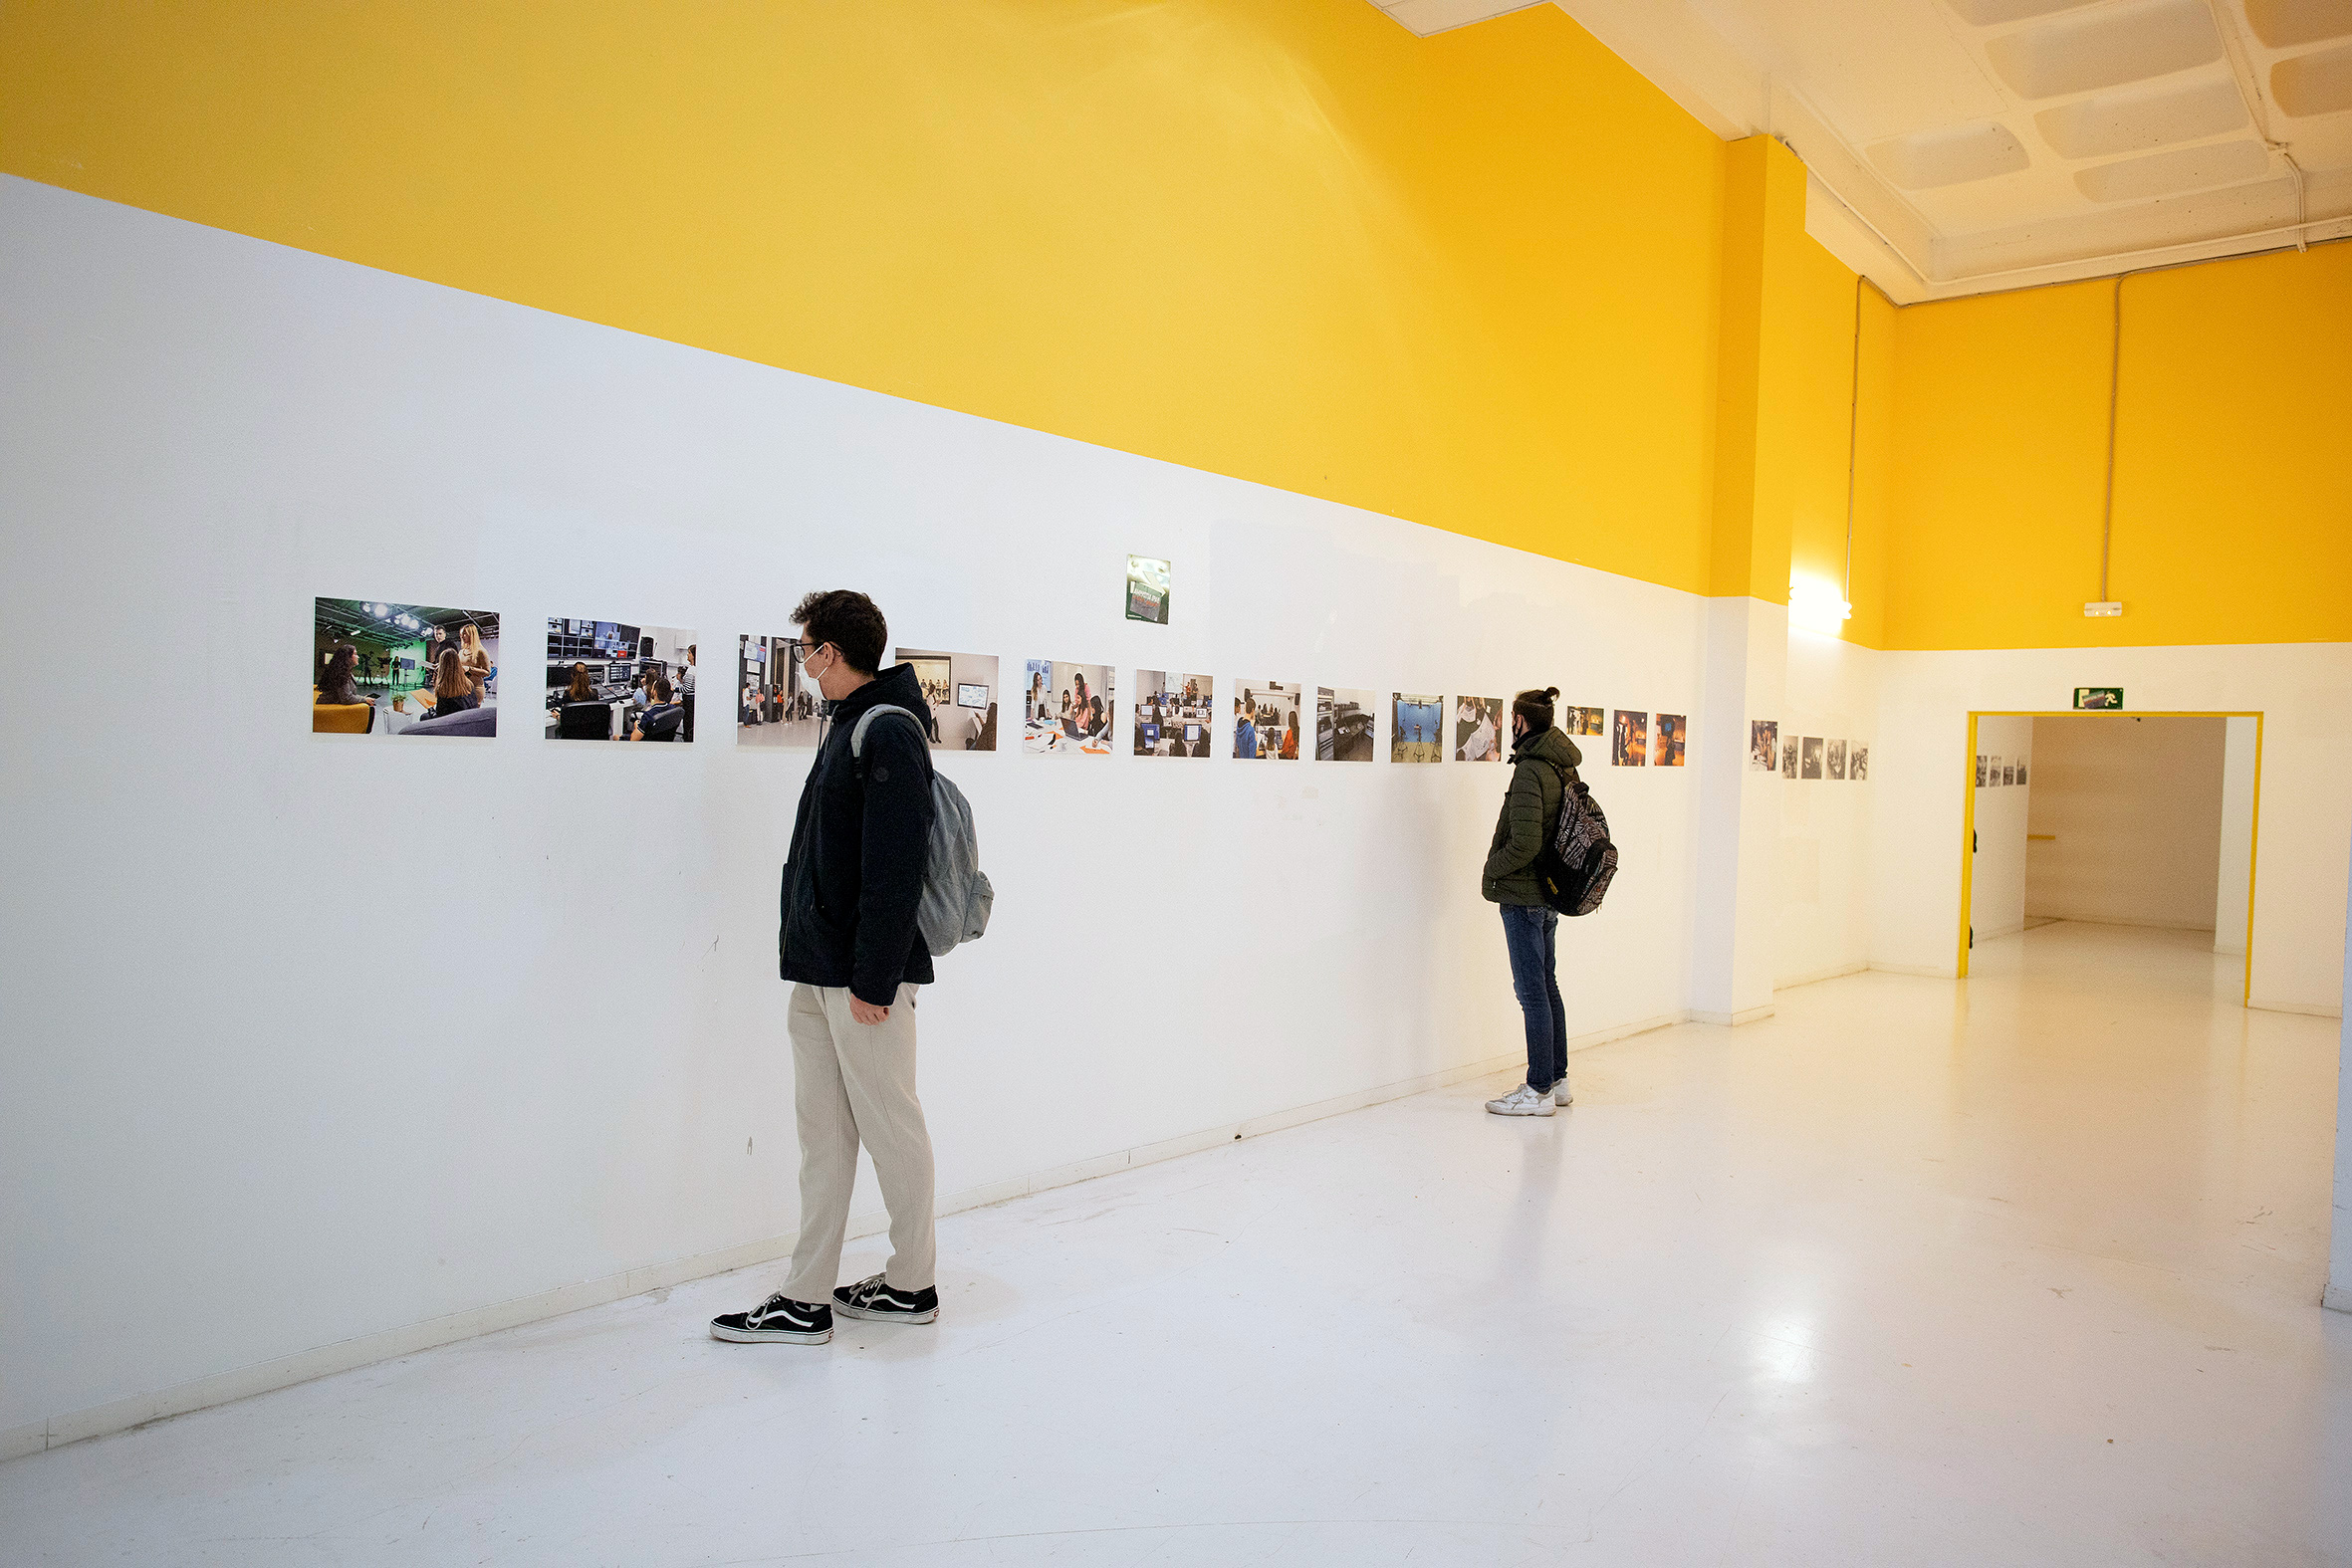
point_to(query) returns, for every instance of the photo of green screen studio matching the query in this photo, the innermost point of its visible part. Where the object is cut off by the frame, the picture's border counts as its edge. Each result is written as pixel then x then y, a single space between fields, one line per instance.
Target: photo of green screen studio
pixel 777 706
pixel 379 668
pixel 1173 714
pixel 961 688
pixel 613 681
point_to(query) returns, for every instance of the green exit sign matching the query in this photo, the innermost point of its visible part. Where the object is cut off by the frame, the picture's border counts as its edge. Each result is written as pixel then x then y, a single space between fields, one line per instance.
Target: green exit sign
pixel 2105 699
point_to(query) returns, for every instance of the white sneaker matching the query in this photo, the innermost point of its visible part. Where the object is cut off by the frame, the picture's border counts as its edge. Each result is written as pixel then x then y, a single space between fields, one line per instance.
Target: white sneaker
pixel 1521 1101
pixel 1560 1094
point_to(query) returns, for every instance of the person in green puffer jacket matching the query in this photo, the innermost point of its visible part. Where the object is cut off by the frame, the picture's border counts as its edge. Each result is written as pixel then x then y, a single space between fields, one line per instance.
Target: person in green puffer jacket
pixel 1543 763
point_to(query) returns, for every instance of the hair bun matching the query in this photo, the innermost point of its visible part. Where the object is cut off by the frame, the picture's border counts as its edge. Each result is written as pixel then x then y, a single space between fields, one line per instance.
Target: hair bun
pixel 1551 691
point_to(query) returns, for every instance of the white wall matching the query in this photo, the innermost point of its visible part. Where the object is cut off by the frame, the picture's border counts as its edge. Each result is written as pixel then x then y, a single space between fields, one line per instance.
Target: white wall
pixel 2129 810
pixel 1824 824
pixel 1996 889
pixel 304 1037
pixel 2306 691
pixel 2338 1293
pixel 2237 835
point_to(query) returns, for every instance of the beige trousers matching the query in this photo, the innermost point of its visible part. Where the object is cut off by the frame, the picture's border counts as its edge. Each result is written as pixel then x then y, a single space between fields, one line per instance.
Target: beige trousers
pixel 854 1083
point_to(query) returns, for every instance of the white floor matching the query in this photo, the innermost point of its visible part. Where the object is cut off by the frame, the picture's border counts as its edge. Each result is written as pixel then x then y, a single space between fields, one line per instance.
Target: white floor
pixel 2024 1271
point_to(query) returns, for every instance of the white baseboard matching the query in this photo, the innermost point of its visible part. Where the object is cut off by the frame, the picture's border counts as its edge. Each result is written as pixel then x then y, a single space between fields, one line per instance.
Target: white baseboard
pixel 1928 971
pixel 2232 950
pixel 2315 1009
pixel 2117 920
pixel 344 1355
pixel 1816 975
pixel 2336 1298
pixel 1732 1020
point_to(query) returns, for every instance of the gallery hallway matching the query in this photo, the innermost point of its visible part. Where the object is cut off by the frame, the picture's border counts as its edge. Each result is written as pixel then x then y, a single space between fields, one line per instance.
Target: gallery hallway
pixel 2020 1270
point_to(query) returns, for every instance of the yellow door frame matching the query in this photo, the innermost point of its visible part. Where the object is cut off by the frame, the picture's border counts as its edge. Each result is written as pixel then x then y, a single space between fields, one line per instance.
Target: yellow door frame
pixel 1967 824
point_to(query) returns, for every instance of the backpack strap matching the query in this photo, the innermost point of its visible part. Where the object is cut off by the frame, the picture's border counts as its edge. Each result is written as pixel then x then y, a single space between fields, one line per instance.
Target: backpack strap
pixel 858 734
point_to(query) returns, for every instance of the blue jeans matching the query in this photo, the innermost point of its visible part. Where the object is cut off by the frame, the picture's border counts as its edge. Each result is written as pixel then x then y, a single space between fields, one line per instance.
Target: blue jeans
pixel 1532 933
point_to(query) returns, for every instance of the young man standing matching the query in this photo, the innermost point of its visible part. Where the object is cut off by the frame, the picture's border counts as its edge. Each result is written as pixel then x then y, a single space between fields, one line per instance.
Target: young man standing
pixel 1543 763
pixel 850 946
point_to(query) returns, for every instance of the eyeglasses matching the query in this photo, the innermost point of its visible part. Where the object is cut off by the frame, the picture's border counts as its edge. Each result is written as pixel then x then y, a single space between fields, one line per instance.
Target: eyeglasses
pixel 801 649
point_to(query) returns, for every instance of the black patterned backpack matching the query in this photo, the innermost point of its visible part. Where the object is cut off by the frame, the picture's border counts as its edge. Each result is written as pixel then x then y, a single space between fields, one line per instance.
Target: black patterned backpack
pixel 1574 869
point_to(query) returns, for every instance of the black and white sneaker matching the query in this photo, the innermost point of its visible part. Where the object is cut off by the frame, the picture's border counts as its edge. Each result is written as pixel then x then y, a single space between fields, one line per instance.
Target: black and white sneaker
pixel 778 1318
pixel 874 1298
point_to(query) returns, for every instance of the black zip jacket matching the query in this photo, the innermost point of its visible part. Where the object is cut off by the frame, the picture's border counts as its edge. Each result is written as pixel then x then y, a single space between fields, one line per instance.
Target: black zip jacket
pixel 859 845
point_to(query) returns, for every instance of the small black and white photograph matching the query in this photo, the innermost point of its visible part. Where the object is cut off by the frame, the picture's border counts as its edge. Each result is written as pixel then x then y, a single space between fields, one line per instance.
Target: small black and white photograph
pixel 1811 768
pixel 776 707
pixel 1266 721
pixel 1788 756
pixel 1994 779
pixel 1764 745
pixel 1858 764
pixel 961 688
pixel 1417 727
pixel 1175 715
pixel 379 668
pixel 1837 759
pixel 1582 721
pixel 2022 762
pixel 2009 773
pixel 1980 769
pixel 619 681
pixel 1479 729
pixel 1344 723
pixel 1629 746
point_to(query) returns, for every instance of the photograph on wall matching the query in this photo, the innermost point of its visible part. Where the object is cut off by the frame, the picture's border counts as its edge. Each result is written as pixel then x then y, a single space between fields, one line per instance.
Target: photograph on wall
pixel 1859 754
pixel 1266 721
pixel 1066 708
pixel 1788 756
pixel 1629 746
pixel 1416 730
pixel 1764 745
pixel 777 706
pixel 1667 745
pixel 1993 775
pixel 1344 723
pixel 1581 721
pixel 1810 764
pixel 1147 590
pixel 1858 763
pixel 619 681
pixel 1480 729
pixel 379 668
pixel 2009 773
pixel 1837 759
pixel 962 691
pixel 1175 715
pixel 1979 769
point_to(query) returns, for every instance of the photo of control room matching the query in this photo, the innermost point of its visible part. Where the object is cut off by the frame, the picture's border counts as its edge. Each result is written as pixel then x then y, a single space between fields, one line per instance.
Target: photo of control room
pixel 610 681
pixel 376 669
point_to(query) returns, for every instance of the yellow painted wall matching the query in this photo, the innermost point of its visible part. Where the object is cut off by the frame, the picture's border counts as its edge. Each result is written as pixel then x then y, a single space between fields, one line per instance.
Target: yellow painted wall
pixel 1469 279
pixel 2233 517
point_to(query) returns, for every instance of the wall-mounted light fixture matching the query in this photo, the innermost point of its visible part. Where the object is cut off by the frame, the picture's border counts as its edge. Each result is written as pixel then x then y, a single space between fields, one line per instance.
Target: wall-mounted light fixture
pixel 1816 606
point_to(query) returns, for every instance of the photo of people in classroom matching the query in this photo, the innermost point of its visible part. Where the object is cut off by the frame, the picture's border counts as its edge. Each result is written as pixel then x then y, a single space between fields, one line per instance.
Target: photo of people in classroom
pixel 776 706
pixel 1344 723
pixel 1479 729
pixel 1175 715
pixel 613 681
pixel 1581 721
pixel 962 691
pixel 1266 721
pixel 1416 731
pixel 1629 747
pixel 379 668
pixel 1667 742
pixel 1066 708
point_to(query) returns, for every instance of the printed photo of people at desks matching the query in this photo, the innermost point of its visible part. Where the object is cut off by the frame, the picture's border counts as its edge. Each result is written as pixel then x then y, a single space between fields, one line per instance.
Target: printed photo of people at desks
pixel 1174 714
pixel 1344 725
pixel 1266 721
pixel 611 680
pixel 962 691
pixel 402 669
pixel 1066 708
pixel 1477 729
pixel 1418 732
pixel 776 706
pixel 1628 748
pixel 1666 745
pixel 1581 721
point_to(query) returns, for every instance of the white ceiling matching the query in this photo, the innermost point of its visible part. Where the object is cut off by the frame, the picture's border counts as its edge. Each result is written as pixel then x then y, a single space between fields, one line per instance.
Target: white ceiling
pixel 1963 145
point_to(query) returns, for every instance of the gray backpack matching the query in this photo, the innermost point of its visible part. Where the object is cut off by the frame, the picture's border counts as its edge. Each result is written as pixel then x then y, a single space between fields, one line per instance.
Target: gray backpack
pixel 956 892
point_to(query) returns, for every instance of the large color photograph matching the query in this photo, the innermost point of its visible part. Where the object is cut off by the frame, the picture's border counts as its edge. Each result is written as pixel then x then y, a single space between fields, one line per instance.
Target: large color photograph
pixel 1066 708
pixel 1266 721
pixel 1174 714
pixel 612 680
pixel 777 706
pixel 379 668
pixel 962 691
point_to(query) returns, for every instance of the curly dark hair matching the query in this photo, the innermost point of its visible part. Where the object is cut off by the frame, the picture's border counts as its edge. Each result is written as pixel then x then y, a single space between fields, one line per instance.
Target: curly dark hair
pixel 850 621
